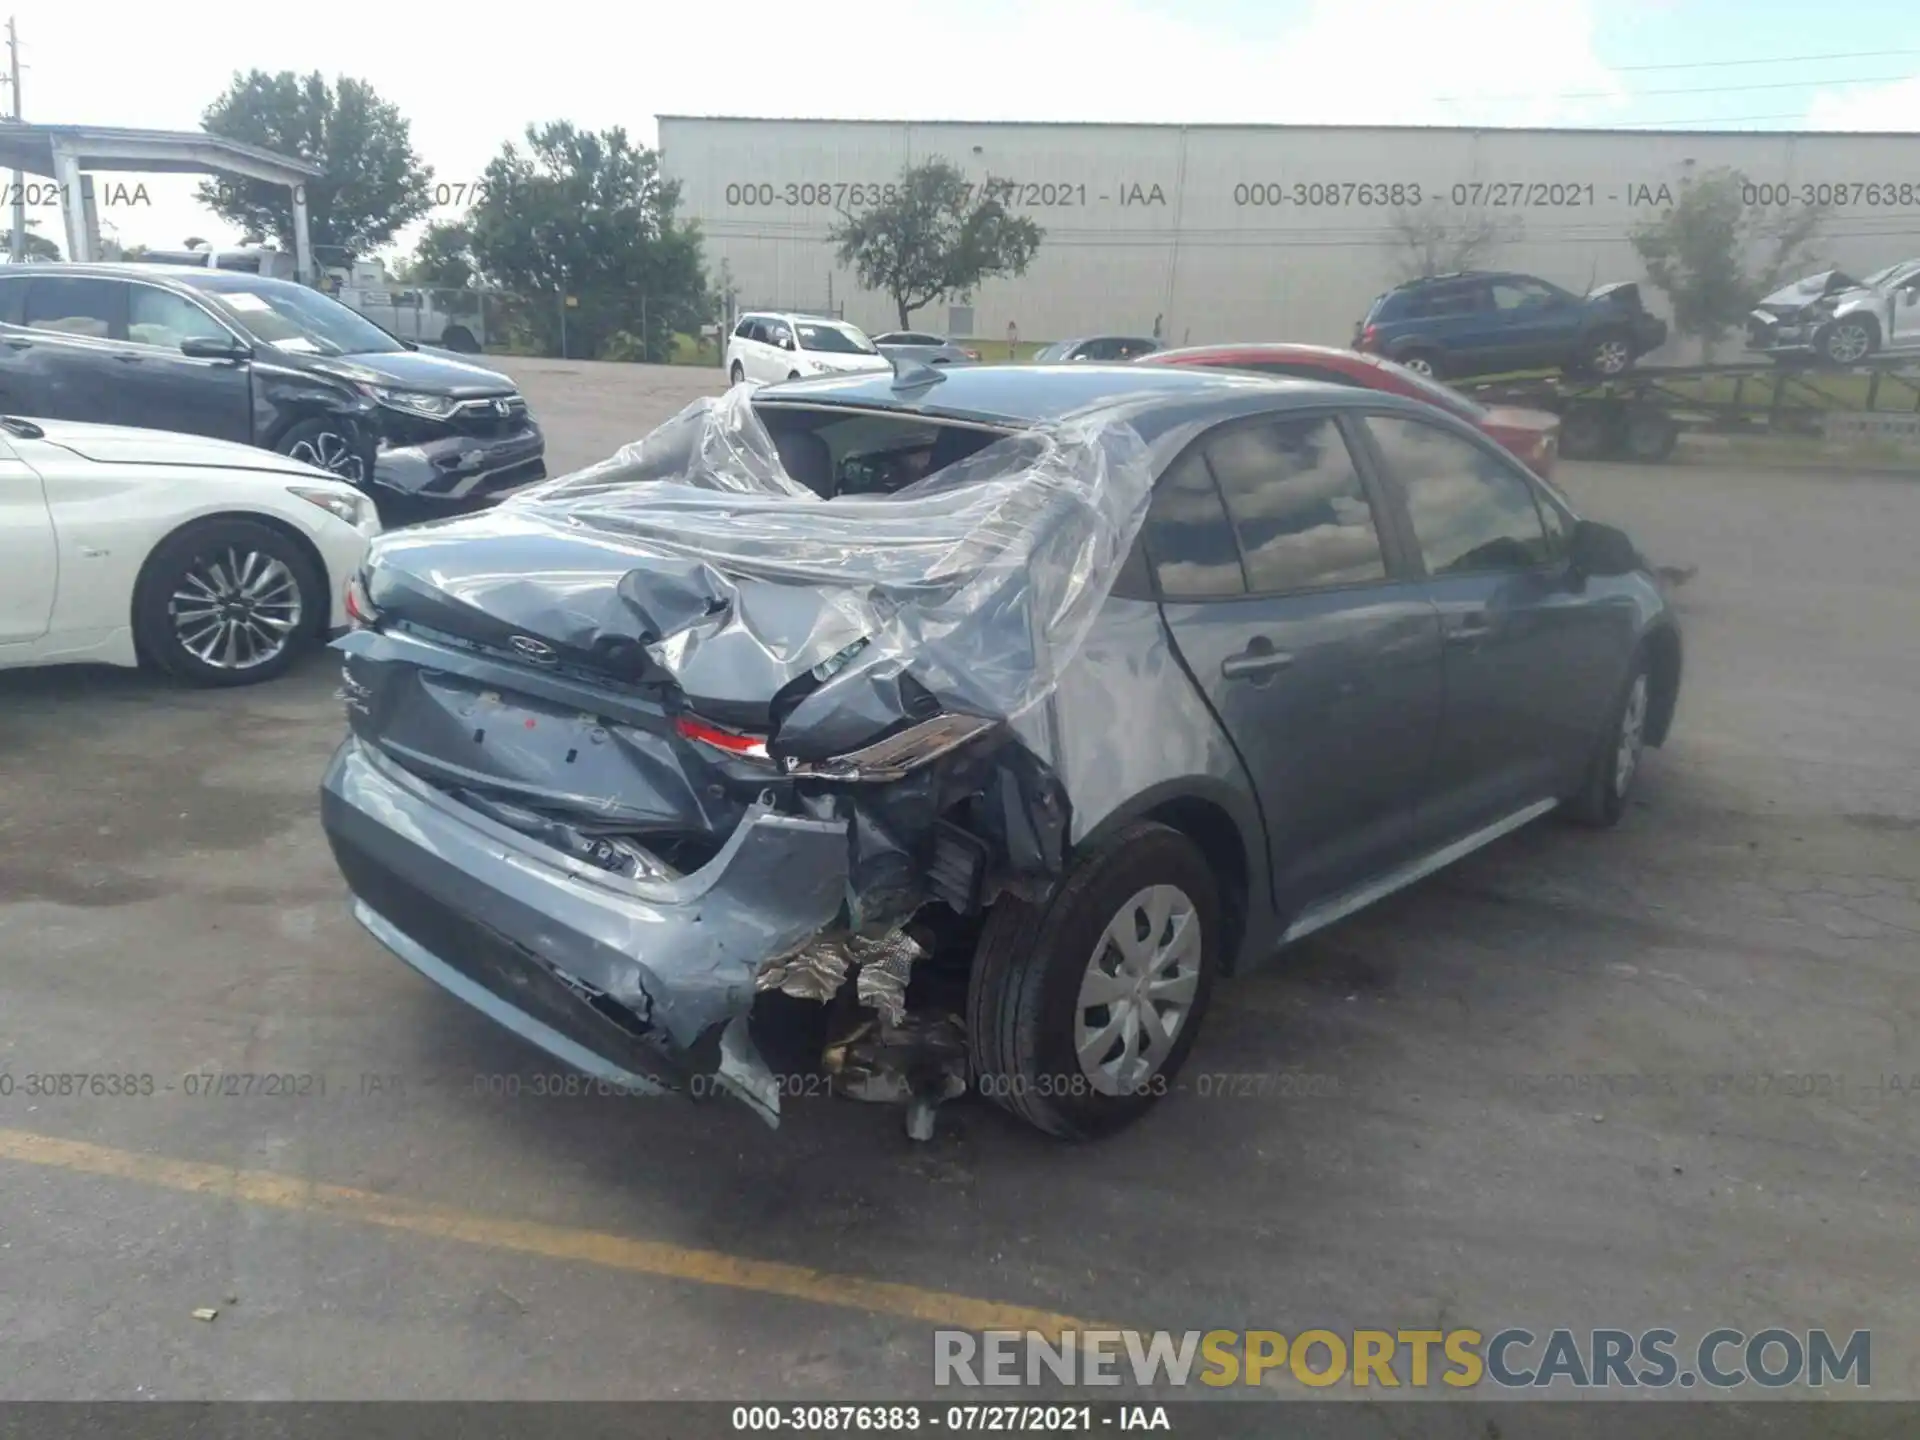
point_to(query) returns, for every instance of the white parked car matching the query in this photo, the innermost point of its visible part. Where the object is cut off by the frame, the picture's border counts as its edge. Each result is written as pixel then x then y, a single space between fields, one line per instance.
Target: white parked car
pixel 213 561
pixel 771 348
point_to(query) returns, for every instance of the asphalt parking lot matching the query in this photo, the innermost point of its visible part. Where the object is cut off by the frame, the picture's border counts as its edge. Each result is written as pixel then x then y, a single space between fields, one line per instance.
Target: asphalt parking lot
pixel 1664 1075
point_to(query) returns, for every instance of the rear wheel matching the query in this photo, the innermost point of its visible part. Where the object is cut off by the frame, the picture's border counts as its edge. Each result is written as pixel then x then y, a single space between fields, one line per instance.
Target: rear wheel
pixel 227 602
pixel 738 374
pixel 1590 431
pixel 1082 1011
pixel 460 338
pixel 1423 362
pixel 1650 435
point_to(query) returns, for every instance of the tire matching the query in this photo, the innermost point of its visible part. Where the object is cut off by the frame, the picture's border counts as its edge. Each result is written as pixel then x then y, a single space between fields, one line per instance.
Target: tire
pixel 1032 962
pixel 1606 354
pixel 1423 362
pixel 460 338
pixel 1649 435
pixel 1590 431
pixel 181 615
pixel 1850 341
pixel 793 374
pixel 1615 764
pixel 737 374
pixel 331 445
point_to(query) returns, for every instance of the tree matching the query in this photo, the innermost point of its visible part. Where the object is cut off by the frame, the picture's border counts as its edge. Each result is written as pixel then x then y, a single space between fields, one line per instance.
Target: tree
pixel 588 215
pixel 35 246
pixel 1714 256
pixel 1445 241
pixel 442 262
pixel 937 237
pixel 373 185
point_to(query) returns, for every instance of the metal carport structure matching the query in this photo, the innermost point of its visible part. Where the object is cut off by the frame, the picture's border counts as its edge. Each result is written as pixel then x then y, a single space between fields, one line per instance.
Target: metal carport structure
pixel 67 154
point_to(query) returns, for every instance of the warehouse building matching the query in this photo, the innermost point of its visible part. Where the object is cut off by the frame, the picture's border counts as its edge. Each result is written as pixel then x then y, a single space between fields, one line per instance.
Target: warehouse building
pixel 1221 232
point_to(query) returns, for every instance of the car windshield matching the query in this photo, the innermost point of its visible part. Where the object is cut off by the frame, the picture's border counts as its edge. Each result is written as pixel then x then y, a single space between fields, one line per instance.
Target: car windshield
pixel 836 339
pixel 1432 391
pixel 292 317
pixel 1056 351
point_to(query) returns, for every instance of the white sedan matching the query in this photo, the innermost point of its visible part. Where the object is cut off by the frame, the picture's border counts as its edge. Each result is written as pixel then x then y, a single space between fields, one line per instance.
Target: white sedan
pixel 213 561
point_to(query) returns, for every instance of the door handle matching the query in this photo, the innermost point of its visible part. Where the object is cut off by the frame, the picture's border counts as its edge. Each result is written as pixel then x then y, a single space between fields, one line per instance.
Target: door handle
pixel 13 344
pixel 126 359
pixel 1259 658
pixel 1471 630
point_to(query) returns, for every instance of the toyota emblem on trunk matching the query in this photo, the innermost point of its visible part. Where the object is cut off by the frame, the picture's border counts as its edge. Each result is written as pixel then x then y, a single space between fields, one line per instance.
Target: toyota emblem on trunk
pixel 536 651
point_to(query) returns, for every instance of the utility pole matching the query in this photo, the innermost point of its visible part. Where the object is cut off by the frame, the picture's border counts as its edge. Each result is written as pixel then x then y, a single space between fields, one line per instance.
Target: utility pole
pixel 18 249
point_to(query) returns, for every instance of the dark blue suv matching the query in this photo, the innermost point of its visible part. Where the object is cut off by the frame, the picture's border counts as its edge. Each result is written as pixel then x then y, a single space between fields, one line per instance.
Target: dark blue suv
pixel 1488 322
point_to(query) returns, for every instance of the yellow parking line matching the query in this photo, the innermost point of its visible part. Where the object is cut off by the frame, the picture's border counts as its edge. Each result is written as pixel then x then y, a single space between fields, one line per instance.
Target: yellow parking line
pixel 526 1237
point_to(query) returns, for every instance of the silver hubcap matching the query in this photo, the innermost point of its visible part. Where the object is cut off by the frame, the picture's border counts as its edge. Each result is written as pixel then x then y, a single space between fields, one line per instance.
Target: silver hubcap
pixel 236 609
pixel 1633 727
pixel 1419 365
pixel 1610 357
pixel 329 452
pixel 1138 990
pixel 1848 343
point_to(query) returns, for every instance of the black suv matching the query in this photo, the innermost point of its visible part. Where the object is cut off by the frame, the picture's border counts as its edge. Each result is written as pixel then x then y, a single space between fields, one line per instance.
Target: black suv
pixel 265 362
pixel 1486 322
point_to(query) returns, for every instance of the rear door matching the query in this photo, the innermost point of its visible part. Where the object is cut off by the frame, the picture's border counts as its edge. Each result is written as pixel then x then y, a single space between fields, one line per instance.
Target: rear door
pixel 780 350
pixel 1315 647
pixel 1533 656
pixel 1903 318
pixel 16 373
pixel 75 346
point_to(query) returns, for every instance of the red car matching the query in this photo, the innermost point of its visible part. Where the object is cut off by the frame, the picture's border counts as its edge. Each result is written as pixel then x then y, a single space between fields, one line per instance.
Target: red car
pixel 1531 435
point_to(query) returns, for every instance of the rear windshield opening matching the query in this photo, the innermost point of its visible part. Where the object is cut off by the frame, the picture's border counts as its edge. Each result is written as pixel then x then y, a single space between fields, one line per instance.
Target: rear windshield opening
pixel 834 453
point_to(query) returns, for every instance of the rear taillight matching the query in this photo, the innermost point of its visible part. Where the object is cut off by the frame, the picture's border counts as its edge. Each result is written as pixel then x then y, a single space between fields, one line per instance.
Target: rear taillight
pixel 732 742
pixel 1367 334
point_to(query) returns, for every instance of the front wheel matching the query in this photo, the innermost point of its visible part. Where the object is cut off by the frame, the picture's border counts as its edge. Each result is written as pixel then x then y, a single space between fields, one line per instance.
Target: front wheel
pixel 227 602
pixel 1606 355
pixel 1081 1012
pixel 1615 764
pixel 737 374
pixel 1849 341
pixel 327 444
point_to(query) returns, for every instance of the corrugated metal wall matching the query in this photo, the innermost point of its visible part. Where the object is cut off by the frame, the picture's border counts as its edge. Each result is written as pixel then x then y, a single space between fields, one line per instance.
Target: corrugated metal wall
pixel 1230 233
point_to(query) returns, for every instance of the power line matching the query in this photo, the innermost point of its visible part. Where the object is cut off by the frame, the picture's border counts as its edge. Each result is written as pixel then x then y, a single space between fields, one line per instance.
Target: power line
pixel 1781 60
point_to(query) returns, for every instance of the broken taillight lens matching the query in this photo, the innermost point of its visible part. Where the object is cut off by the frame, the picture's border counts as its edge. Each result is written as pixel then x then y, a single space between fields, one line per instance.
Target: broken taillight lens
pixel 747 747
pixel 360 612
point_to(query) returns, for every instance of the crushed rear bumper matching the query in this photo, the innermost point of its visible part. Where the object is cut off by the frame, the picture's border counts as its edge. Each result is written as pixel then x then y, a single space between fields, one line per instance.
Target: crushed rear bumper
pixel 644 984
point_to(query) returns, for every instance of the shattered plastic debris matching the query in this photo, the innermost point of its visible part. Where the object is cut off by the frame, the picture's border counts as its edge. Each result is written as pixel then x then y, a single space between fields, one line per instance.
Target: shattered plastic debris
pixel 205 1312
pixel 818 971
pixel 921 1061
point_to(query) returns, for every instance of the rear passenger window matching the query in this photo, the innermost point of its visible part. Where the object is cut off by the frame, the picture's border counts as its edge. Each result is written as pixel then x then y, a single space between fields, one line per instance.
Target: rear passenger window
pixel 1297 505
pixel 1188 537
pixel 77 305
pixel 1470 510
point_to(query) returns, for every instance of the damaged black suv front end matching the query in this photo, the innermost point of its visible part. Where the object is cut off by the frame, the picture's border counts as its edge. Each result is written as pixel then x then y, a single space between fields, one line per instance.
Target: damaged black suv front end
pixel 639 751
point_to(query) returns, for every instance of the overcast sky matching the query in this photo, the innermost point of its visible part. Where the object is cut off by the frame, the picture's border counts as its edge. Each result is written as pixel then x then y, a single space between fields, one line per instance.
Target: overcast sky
pixel 469 78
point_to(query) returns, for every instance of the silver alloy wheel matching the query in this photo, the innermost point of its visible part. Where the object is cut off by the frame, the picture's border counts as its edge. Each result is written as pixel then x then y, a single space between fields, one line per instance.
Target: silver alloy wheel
pixel 1138 990
pixel 1633 730
pixel 1610 357
pixel 236 609
pixel 1848 342
pixel 332 452
pixel 1419 365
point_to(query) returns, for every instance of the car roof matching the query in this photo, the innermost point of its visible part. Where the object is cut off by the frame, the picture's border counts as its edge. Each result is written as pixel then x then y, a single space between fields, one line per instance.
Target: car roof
pixel 1157 400
pixel 192 276
pixel 1259 350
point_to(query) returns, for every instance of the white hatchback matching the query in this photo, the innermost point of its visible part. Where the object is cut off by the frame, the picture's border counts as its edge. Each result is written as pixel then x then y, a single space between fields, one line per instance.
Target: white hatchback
pixel 771 348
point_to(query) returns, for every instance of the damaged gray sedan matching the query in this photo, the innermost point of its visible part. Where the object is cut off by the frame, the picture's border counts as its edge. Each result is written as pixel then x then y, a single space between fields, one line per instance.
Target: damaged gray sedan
pixel 954 730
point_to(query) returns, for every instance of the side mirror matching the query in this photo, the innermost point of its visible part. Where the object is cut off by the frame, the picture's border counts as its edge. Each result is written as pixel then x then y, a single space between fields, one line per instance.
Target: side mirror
pixel 786 342
pixel 214 347
pixel 1596 549
pixel 411 344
